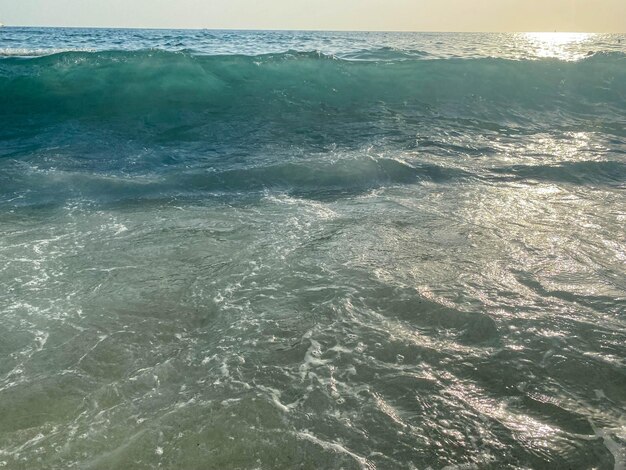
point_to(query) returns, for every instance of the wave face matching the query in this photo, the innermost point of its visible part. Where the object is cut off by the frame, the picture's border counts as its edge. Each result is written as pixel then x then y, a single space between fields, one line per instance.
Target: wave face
pixel 107 84
pixel 316 250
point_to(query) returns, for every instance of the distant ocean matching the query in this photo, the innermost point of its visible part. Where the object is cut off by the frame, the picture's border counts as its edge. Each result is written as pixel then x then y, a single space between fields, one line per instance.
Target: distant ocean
pixel 315 250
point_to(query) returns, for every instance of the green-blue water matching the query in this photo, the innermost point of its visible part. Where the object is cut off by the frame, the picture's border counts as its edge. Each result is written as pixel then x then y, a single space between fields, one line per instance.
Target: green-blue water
pixel 262 250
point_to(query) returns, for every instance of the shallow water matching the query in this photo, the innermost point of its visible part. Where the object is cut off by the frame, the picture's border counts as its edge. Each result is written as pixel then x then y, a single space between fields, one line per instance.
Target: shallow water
pixel 312 250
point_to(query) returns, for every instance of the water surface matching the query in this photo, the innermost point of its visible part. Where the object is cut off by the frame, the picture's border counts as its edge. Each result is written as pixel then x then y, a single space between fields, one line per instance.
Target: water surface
pixel 225 249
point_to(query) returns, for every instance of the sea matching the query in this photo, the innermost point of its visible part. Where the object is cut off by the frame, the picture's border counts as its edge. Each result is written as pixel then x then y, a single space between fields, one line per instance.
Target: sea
pixel 312 250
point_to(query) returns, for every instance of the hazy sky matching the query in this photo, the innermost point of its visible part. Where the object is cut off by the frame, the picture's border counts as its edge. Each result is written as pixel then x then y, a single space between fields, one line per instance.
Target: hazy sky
pixel 414 15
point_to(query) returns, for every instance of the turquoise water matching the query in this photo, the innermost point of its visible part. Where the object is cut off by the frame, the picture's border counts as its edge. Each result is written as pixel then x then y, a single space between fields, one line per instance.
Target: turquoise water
pixel 255 250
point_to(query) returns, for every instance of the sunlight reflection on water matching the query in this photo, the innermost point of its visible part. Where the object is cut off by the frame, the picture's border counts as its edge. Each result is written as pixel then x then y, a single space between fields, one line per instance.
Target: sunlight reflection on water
pixel 564 46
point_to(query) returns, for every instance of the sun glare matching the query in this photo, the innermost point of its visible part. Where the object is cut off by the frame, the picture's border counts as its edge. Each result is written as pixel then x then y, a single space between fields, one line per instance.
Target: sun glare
pixel 566 46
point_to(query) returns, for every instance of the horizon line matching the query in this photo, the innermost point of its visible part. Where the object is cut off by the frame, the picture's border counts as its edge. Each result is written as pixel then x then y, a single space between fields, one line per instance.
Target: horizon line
pixel 313 30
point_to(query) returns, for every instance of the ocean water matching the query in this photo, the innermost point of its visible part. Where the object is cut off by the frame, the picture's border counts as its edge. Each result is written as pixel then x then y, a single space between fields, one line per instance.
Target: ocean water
pixel 281 250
